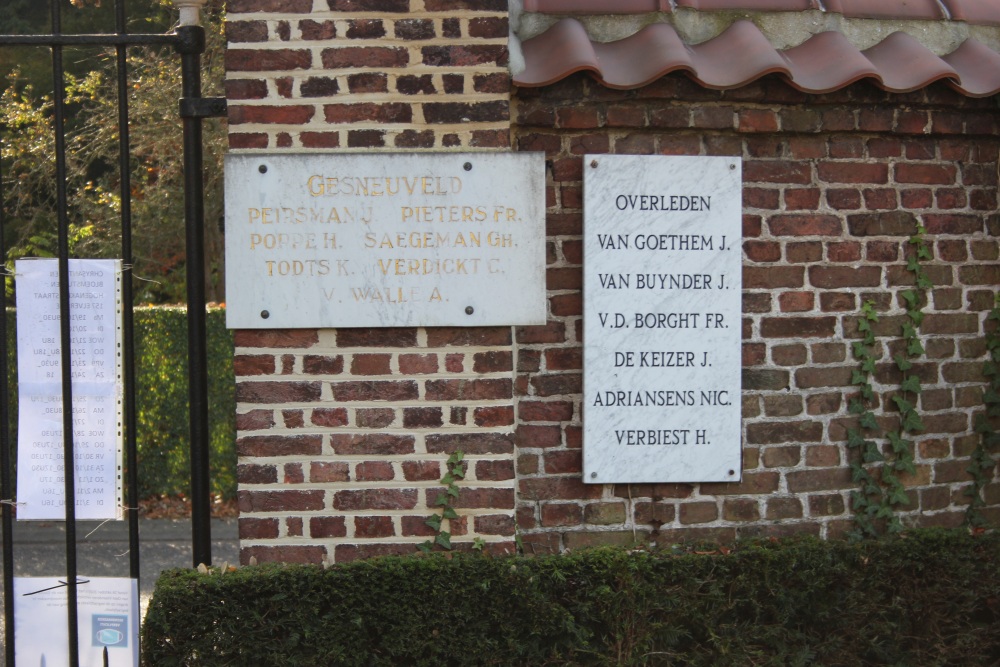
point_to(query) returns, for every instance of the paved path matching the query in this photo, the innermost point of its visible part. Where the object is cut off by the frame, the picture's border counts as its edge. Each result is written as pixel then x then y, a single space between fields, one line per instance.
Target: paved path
pixel 102 550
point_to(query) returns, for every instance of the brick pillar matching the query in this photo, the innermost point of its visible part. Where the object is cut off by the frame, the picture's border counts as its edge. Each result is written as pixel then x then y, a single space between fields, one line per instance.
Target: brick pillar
pixel 343 434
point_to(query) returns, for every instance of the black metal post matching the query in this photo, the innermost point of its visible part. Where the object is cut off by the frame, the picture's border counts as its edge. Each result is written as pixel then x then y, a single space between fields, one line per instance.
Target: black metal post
pixel 6 487
pixel 128 325
pixel 191 46
pixel 69 458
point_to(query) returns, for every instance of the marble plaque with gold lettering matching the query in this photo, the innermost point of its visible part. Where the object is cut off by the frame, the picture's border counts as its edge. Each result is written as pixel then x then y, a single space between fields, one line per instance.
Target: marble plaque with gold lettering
pixel 385 240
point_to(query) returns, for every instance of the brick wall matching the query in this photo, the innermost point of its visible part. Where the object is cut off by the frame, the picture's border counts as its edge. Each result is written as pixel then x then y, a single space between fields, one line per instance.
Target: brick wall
pixel 834 186
pixel 343 434
pixel 367 74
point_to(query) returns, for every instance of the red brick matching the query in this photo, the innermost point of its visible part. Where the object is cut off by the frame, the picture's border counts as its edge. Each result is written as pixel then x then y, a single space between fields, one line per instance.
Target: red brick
pixel 373 527
pixel 538 436
pixel 258 529
pixel 805 225
pixel 252 473
pixel 330 417
pixel 267 60
pixel 757 120
pixel 804 327
pixel 794 302
pixel 293 474
pixel 470 443
pixel 494 416
pixel 561 514
pixel 375 444
pixel 421 471
pixel 315 555
pixel 280 501
pixel 558 488
pixel 254 420
pixel 376 499
pixel 279 445
pixel 387 390
pixel 465 390
pixel 494 524
pixel 853 172
pixel 833 277
pixel 494 470
pixel 280 338
pixel 698 512
pixel 364 56
pixel 329 471
pixel 285 115
pixel 327 526
pixel 925 174
pixel 777 171
pixel 374 471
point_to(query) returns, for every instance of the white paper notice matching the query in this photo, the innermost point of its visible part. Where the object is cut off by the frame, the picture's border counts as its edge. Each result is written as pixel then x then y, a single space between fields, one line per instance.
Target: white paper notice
pixel 108 613
pixel 95 332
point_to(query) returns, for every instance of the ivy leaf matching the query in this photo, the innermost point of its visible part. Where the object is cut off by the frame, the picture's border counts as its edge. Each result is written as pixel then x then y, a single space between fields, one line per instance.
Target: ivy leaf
pixel 909 295
pixel 457 457
pixel 868 421
pixel 917 316
pixel 458 472
pixel 857 377
pixel 899 497
pixel 444 539
pixel 453 491
pixel 426 547
pixel 911 385
pixel 909 331
pixel 911 422
pixel 441 500
pixel 901 403
pixel 448 479
pixel 902 363
pixel 449 513
pixel 872 454
pixel 868 366
pixel 914 348
pixel 434 521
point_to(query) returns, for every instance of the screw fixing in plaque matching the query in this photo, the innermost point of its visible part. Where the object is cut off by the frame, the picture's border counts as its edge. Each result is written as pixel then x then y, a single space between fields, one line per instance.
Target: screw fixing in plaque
pixel 469 310
pixel 467 166
pixel 262 168
pixel 593 164
pixel 264 314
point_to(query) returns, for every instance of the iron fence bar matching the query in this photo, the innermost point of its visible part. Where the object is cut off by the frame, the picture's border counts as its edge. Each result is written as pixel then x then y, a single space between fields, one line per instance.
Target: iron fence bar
pixel 167 39
pixel 6 487
pixel 191 45
pixel 128 323
pixel 69 459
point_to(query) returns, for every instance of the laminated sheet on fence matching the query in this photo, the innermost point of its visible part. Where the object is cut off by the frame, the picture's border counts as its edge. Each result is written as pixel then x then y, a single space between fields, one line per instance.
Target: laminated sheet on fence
pixel 96 363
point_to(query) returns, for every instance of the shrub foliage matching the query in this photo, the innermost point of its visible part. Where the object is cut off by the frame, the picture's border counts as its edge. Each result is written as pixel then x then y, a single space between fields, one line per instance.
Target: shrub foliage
pixel 925 598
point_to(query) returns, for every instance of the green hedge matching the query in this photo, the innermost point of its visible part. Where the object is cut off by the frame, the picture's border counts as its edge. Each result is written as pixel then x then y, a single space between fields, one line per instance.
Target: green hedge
pixel 162 400
pixel 929 598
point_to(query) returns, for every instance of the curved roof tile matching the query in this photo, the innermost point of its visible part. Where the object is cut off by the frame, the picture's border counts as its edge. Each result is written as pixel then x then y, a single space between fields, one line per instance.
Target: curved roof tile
pixel 823 63
pixel 984 12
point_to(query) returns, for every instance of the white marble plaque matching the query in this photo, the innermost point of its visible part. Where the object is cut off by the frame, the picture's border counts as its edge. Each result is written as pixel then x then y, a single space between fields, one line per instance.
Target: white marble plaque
pixel 662 319
pixel 385 240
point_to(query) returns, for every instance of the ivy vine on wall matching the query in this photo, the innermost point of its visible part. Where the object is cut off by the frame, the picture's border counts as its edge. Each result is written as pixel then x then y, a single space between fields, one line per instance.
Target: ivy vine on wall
pixel 877 468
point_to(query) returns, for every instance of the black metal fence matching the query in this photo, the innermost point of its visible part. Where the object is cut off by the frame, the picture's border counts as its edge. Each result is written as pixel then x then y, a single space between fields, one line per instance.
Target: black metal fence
pixel 188 42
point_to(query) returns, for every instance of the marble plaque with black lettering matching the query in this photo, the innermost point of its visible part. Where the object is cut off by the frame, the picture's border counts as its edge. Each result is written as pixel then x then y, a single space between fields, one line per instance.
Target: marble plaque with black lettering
pixel 385 240
pixel 662 319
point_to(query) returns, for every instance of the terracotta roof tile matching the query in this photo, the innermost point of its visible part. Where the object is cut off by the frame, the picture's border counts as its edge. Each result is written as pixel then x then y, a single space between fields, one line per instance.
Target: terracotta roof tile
pixel 979 67
pixel 825 62
pixel 904 64
pixel 752 5
pixel 974 11
pixel 886 9
pixel 581 7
